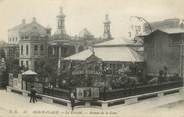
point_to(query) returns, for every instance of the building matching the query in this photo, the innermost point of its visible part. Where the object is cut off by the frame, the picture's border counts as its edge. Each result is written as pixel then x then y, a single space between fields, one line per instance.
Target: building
pixel 163 49
pixel 3 78
pixel 33 44
pixel 3 67
pixel 14 33
pixel 111 58
pixel 29 42
pixel 107 28
pixel 62 45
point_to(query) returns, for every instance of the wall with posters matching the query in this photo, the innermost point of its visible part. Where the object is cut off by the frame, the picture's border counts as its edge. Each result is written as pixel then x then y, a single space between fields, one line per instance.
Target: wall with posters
pixel 87 93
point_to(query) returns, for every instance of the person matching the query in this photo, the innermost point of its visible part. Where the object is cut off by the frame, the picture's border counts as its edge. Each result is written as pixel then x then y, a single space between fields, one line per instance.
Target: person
pixel 31 94
pixel 72 99
pixel 34 95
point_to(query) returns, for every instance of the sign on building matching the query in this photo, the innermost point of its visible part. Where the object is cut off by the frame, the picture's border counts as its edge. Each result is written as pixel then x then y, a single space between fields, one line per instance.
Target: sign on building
pixel 87 93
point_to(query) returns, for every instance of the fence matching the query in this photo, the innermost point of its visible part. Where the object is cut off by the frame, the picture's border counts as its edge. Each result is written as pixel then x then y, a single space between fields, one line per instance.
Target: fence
pixel 114 97
pixel 119 93
pixel 59 93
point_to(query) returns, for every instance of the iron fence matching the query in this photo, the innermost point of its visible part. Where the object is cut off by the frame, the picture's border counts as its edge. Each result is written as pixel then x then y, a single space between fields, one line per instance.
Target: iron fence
pixel 149 88
pixel 119 93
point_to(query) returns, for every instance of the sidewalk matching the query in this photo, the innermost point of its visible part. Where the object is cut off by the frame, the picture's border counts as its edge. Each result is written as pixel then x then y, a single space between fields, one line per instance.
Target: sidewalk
pixel 14 105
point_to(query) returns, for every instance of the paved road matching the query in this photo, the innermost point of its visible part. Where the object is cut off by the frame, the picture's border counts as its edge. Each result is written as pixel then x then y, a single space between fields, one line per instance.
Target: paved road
pixel 14 105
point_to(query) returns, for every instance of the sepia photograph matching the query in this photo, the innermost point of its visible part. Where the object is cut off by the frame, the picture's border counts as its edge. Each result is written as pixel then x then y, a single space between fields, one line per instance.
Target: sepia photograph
pixel 91 58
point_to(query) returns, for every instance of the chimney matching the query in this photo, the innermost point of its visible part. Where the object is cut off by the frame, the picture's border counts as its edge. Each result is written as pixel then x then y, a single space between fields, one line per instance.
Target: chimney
pixel 23 21
pixel 34 19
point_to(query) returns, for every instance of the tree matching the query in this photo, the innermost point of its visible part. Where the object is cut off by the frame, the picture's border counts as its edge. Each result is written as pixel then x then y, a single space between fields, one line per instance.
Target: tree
pixel 12 66
pixel 47 68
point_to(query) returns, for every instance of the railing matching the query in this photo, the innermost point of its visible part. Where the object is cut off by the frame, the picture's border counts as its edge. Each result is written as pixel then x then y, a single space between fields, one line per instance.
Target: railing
pixel 59 93
pixel 119 93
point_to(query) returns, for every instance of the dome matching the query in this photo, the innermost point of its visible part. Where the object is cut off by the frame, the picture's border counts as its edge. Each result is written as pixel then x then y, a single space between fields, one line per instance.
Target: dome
pixel 85 33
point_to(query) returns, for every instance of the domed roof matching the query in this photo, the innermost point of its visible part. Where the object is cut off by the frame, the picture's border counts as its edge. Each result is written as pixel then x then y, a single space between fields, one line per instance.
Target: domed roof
pixel 84 33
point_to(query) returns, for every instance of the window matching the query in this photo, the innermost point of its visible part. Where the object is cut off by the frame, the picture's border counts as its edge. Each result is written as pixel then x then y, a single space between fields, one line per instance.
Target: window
pixel 35 64
pixel 41 50
pixel 26 37
pixel 21 63
pixel 16 39
pixel 27 64
pixel 13 40
pixel 22 49
pixel 36 50
pixel 27 49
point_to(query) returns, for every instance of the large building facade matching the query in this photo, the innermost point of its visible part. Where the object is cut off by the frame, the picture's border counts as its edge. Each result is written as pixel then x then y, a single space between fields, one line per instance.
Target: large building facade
pixel 31 42
pixel 163 48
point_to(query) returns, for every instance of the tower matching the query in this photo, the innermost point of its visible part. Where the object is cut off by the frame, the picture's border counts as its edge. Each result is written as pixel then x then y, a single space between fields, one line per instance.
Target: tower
pixel 61 22
pixel 107 31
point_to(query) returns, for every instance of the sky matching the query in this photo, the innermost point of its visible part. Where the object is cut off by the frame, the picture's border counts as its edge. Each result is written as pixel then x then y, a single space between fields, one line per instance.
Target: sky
pixel 88 14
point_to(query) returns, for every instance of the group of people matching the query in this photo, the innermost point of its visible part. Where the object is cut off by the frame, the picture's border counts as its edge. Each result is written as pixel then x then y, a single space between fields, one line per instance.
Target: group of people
pixel 33 95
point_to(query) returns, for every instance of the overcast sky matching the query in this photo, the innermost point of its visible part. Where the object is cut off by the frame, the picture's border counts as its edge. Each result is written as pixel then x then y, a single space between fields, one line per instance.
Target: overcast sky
pixel 86 13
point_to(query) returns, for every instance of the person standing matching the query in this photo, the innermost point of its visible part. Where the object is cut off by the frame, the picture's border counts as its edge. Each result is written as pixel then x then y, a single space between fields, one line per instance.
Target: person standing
pixel 32 94
pixel 72 99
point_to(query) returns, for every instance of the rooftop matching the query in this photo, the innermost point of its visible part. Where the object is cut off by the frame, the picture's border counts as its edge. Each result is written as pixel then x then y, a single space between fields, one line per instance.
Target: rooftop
pixel 123 54
pixel 29 28
pixel 169 26
pixel 118 42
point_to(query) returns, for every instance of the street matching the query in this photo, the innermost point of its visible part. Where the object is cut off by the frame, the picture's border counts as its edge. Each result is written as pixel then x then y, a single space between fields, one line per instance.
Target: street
pixel 14 105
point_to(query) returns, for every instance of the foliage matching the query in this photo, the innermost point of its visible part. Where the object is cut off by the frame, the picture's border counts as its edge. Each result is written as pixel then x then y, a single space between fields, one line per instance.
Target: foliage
pixel 12 66
pixel 46 68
